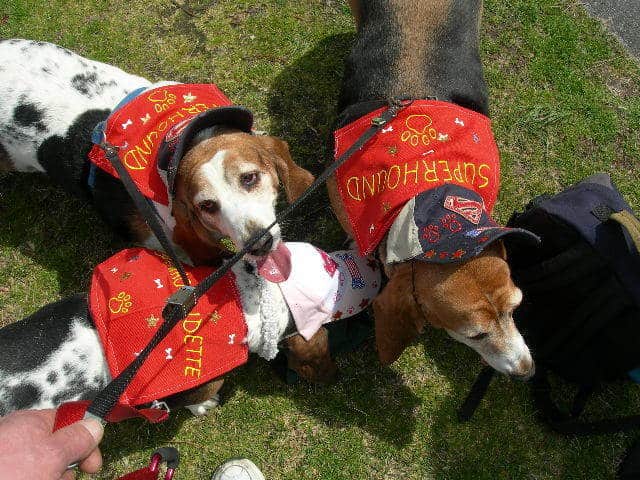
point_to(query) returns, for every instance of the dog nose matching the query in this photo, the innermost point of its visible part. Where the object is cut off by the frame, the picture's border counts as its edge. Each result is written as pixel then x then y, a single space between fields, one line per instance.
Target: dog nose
pixel 526 370
pixel 263 246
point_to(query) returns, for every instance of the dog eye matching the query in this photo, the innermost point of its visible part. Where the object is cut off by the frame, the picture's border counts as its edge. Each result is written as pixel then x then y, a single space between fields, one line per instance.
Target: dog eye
pixel 479 336
pixel 249 179
pixel 209 206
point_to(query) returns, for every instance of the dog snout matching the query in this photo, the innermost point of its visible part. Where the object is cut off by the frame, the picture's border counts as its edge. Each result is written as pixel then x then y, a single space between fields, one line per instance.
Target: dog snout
pixel 263 246
pixel 524 370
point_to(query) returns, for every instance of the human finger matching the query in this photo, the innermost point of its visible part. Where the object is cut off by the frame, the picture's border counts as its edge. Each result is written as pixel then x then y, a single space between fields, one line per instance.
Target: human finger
pixel 75 442
pixel 92 463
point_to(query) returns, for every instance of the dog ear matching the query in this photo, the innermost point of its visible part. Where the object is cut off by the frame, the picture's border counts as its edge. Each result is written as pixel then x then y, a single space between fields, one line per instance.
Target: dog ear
pixel 186 236
pixel 294 178
pixel 397 317
pixel 498 248
pixel 311 359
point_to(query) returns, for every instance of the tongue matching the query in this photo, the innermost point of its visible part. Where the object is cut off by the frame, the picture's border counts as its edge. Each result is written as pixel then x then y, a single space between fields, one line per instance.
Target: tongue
pixel 276 266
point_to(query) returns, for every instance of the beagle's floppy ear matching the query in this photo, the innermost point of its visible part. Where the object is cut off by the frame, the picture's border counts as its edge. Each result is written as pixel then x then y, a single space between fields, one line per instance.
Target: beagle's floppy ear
pixel 499 248
pixel 294 178
pixel 397 317
pixel 311 359
pixel 185 235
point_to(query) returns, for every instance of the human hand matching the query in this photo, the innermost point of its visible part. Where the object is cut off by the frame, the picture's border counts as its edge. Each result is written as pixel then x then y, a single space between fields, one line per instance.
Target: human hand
pixel 29 450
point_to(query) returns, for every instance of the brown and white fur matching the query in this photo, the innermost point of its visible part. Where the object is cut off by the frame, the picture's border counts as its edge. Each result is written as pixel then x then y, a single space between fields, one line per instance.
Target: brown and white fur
pixel 227 185
pixel 429 48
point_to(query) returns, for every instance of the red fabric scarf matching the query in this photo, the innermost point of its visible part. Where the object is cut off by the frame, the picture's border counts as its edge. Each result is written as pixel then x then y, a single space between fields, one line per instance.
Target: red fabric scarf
pixel 126 298
pixel 429 144
pixel 139 126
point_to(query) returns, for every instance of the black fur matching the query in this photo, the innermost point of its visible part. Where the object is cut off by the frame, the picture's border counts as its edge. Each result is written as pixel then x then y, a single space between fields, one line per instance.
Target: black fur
pixel 369 68
pixel 29 115
pixel 456 66
pixel 55 319
pixel 452 73
pixel 65 159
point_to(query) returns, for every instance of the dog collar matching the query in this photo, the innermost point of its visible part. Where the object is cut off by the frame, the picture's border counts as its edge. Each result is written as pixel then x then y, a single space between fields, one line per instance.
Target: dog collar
pixel 153 128
pixel 428 144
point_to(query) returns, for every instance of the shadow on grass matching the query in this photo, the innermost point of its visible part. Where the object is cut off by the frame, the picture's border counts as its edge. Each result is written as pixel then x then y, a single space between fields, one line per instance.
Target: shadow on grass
pixel 55 230
pixel 505 438
pixel 302 107
pixel 366 395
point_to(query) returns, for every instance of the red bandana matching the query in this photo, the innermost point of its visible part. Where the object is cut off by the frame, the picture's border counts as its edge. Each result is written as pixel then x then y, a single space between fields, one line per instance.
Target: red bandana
pixel 429 144
pixel 140 126
pixel 126 298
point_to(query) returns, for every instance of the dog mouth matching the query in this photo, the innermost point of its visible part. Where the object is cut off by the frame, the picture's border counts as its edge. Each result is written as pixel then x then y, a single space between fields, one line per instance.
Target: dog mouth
pixel 276 265
pixel 264 246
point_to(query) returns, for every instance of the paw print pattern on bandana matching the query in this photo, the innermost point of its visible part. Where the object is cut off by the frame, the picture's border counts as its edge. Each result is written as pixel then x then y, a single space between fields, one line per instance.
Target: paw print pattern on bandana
pixel 121 303
pixel 418 129
pixel 431 233
pixel 162 100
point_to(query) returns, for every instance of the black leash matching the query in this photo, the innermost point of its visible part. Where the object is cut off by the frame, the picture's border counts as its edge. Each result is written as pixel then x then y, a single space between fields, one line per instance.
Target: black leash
pixel 145 207
pixel 184 300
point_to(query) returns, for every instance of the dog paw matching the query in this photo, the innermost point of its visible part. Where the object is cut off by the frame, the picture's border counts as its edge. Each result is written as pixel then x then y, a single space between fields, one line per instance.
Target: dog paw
pixel 203 408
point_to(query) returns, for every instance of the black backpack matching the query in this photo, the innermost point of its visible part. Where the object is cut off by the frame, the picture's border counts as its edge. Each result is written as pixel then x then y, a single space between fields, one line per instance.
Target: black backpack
pixel 581 310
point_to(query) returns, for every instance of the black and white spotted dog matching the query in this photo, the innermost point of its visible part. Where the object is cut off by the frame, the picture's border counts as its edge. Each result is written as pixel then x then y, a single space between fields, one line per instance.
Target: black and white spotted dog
pixel 227 187
pixel 52 101
pixel 55 354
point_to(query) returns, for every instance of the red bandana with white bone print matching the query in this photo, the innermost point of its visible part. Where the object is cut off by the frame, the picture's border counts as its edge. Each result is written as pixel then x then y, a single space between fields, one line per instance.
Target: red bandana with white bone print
pixel 139 126
pixel 127 295
pixel 429 144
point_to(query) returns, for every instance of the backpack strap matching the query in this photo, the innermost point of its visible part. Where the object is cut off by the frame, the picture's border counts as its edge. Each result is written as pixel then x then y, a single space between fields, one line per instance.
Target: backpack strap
pixel 624 218
pixel 562 423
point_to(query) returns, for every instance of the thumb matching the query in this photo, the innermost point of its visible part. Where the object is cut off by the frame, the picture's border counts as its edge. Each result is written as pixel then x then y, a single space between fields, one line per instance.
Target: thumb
pixel 75 442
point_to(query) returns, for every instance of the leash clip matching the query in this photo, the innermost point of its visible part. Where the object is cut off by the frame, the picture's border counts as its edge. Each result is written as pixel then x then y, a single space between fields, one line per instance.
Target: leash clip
pixel 183 301
pixel 168 455
pixel 395 105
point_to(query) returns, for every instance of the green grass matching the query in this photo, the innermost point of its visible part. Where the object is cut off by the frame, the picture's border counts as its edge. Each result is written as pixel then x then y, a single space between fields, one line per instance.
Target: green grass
pixel 565 100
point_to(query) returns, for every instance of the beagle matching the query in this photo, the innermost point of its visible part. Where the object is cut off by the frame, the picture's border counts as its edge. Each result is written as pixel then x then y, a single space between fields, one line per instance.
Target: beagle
pixel 225 184
pixel 281 302
pixel 421 191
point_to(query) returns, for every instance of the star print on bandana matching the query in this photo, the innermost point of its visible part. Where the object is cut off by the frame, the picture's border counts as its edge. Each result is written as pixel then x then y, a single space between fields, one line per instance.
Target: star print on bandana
pixel 152 321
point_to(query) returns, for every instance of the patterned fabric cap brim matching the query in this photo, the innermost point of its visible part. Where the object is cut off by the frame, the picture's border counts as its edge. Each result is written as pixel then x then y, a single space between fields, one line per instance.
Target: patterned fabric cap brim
pixel 448 224
pixel 178 139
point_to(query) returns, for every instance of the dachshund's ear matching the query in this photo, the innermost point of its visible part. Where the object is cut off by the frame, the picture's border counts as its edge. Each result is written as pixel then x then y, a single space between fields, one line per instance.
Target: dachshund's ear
pixel 397 317
pixel 294 178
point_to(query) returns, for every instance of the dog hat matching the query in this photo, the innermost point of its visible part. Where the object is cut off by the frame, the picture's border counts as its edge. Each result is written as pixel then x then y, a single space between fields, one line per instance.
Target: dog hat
pixel 177 141
pixel 446 225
